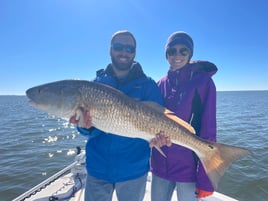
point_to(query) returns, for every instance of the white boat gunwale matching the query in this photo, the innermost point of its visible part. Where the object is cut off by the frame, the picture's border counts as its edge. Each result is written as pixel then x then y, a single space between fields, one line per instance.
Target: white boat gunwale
pixel 53 183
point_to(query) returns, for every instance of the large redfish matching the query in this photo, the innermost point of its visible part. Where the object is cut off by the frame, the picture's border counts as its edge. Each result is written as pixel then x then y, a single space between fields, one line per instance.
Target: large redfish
pixel 113 112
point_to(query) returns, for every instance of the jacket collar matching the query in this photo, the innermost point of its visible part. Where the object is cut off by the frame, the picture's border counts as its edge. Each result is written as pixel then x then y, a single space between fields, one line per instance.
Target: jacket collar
pixel 194 67
pixel 136 72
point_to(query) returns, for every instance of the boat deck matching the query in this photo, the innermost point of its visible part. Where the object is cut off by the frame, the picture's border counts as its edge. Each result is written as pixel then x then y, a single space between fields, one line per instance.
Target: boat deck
pixel 63 186
pixel 69 184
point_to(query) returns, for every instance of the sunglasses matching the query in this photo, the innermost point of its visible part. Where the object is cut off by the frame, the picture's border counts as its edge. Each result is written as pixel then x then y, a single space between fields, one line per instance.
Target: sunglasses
pixel 172 51
pixel 120 47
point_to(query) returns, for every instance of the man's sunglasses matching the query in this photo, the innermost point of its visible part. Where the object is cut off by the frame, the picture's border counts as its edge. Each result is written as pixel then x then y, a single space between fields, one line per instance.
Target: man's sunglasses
pixel 120 47
pixel 172 51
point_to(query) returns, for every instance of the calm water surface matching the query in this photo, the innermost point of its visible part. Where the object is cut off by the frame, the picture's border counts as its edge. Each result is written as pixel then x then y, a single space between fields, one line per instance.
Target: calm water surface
pixel 34 145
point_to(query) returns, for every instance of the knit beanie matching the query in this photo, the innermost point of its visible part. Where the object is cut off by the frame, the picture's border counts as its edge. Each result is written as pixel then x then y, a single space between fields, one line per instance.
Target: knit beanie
pixel 180 38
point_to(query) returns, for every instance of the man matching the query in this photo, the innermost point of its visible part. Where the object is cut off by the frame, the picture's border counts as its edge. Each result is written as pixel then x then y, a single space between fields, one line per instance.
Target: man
pixel 116 163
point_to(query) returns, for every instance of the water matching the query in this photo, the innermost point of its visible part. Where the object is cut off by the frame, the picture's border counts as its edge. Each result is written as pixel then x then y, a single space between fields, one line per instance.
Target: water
pixel 34 145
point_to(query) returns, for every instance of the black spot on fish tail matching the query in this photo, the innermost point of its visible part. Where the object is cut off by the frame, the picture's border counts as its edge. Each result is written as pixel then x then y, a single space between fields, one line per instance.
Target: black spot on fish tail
pixel 210 146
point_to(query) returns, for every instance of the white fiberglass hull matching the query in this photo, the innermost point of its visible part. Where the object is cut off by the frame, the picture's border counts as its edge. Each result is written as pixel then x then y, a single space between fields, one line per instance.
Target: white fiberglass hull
pixel 69 184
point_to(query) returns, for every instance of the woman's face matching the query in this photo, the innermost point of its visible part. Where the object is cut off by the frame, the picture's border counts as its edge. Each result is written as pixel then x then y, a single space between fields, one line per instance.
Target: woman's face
pixel 178 56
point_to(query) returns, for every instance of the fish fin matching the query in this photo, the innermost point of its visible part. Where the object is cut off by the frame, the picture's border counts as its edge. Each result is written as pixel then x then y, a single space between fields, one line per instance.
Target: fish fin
pixel 218 158
pixel 160 151
pixel 169 114
pixel 155 106
pixel 82 118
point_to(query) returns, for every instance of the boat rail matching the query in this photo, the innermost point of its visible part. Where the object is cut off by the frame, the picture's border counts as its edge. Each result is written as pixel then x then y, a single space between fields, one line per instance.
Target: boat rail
pixel 45 183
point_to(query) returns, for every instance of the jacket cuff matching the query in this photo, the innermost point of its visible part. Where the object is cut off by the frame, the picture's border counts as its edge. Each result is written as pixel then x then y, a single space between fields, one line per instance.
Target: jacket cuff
pixel 89 132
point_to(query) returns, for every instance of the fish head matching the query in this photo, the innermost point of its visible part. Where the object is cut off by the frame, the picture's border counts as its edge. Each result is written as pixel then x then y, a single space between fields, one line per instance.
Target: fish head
pixel 57 98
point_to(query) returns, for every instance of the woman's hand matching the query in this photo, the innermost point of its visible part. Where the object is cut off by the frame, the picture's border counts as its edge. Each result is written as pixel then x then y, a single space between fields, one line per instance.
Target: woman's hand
pixel 160 140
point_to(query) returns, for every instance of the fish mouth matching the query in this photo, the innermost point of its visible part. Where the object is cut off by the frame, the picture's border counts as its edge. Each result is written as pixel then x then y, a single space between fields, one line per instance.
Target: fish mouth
pixel 32 103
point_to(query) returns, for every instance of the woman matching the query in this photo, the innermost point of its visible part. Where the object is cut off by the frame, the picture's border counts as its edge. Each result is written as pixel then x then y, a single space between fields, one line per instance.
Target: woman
pixel 189 91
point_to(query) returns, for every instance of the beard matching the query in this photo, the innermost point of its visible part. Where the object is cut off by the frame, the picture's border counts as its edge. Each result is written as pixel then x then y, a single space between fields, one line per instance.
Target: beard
pixel 122 66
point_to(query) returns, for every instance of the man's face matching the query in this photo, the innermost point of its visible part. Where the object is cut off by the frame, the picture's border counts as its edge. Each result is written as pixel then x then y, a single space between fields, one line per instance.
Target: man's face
pixel 123 52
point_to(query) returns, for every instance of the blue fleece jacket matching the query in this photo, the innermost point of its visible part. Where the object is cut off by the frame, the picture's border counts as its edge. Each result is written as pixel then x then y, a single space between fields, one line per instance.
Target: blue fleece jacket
pixel 115 158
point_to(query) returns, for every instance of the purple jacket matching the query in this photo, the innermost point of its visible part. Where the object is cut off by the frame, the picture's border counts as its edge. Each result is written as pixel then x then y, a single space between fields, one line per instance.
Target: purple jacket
pixel 191 93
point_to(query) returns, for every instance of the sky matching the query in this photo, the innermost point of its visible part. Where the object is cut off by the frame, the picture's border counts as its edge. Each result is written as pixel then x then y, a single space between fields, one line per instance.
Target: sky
pixel 48 40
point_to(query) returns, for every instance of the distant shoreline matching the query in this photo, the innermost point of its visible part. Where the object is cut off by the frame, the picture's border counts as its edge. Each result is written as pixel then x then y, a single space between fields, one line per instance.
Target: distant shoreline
pixel 244 90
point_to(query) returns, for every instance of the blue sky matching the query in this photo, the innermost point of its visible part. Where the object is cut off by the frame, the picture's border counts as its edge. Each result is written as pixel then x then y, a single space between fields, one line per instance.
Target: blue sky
pixel 48 40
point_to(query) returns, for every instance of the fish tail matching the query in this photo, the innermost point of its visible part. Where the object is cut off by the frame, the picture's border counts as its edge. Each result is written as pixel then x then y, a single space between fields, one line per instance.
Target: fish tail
pixel 219 158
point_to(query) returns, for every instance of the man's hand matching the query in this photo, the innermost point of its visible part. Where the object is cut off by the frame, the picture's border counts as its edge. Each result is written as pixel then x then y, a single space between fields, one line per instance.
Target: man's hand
pixel 81 118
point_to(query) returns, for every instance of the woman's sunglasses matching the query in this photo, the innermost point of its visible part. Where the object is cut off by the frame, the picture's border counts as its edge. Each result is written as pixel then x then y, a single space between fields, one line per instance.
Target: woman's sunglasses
pixel 172 51
pixel 120 47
